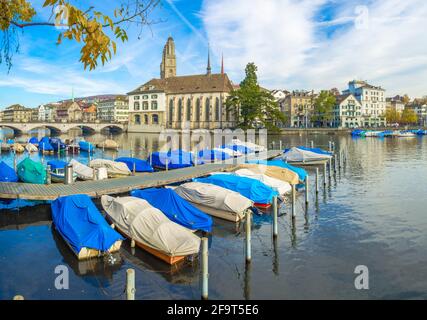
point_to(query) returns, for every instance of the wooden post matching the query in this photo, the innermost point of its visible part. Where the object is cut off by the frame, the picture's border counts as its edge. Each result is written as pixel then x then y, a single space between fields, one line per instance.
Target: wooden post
pixel 324 174
pixel 130 284
pixel 294 191
pixel 335 163
pixel 275 209
pixel 196 156
pixel 330 167
pixel 280 145
pixel 312 144
pixel 317 180
pixel 14 161
pixel 167 164
pixel 306 190
pixel 134 168
pixel 48 178
pixel 205 268
pixel 151 159
pixel 248 237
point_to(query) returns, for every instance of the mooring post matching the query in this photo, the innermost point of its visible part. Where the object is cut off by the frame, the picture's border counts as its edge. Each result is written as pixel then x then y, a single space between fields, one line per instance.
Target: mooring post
pixel 134 168
pixel 312 144
pixel 306 189
pixel 205 268
pixel 317 180
pixel 151 159
pixel 167 164
pixel 14 161
pixel 280 145
pixel 294 191
pixel 335 163
pixel 275 209
pixel 132 243
pixel 130 284
pixel 330 167
pixel 94 174
pixel 69 174
pixel 195 158
pixel 248 237
pixel 48 178
pixel 324 174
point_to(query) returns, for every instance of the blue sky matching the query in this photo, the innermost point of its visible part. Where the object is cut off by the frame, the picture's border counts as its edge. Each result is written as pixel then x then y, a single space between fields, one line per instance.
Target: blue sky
pixel 307 44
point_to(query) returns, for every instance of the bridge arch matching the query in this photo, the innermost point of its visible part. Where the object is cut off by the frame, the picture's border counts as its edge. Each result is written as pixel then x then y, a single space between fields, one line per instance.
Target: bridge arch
pixel 84 128
pixel 16 131
pixel 52 128
pixel 111 127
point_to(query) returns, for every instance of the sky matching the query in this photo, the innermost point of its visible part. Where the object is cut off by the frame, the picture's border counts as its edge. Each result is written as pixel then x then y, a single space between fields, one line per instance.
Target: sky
pixel 306 44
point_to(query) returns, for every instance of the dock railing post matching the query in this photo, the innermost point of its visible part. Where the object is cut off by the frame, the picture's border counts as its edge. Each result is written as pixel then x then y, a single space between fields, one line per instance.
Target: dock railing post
pixel 248 248
pixel 14 161
pixel 167 164
pixel 205 268
pixel 151 159
pixel 294 191
pixel 317 180
pixel 69 174
pixel 335 163
pixel 312 144
pixel 48 178
pixel 275 209
pixel 324 175
pixel 330 167
pixel 196 154
pixel 130 284
pixel 280 145
pixel 134 168
pixel 306 190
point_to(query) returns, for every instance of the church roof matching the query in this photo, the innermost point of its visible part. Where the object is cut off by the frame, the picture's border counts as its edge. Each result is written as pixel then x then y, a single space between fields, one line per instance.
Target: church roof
pixel 187 84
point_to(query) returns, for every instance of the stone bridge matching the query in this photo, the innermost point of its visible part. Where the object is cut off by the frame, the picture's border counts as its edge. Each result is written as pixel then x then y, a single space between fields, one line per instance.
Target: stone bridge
pixel 58 128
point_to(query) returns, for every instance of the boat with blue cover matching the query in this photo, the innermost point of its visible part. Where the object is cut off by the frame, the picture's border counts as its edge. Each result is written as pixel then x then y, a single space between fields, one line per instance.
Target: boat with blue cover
pixel 7 174
pixel 86 146
pixel 213 155
pixel 57 171
pixel 239 148
pixel 34 141
pixel 30 171
pixel 45 146
pixel 57 144
pixel 175 208
pixel 175 159
pixel 261 194
pixel 134 163
pixel 83 227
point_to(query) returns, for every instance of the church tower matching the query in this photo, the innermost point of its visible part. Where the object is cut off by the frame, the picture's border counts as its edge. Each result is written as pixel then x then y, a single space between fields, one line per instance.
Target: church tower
pixel 168 65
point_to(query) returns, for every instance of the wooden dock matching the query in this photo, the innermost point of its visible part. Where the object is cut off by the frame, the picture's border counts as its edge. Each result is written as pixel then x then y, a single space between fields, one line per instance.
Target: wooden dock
pixel 28 191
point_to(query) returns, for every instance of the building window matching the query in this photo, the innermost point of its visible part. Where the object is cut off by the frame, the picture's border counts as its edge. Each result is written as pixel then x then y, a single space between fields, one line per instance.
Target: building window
pixel 198 106
pixel 136 97
pixel 207 108
pixel 153 105
pixel 217 109
pixel 155 119
pixel 179 110
pixel 145 118
pixel 137 119
pixel 136 106
pixel 154 96
pixel 145 105
pixel 171 106
pixel 188 118
pixel 144 97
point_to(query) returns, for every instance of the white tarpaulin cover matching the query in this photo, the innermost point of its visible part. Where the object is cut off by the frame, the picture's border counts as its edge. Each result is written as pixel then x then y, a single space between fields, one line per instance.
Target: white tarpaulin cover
pixel 31 148
pixel 298 155
pixel 282 187
pixel 215 197
pixel 248 144
pixel 276 172
pixel 149 226
pixel 83 172
pixel 114 169
pixel 230 152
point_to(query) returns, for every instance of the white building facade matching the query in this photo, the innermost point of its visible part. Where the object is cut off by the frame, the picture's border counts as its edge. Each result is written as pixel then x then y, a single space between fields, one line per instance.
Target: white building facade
pixel 372 100
pixel 114 110
pixel 348 112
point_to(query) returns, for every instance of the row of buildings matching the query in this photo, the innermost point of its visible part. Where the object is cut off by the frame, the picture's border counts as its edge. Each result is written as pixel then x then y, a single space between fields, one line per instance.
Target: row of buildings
pixel 198 102
pixel 113 108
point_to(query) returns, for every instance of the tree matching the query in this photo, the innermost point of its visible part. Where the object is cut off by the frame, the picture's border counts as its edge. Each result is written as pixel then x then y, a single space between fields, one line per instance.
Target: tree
pixel 392 116
pixel 323 112
pixel 409 116
pixel 253 106
pixel 94 29
pixel 406 99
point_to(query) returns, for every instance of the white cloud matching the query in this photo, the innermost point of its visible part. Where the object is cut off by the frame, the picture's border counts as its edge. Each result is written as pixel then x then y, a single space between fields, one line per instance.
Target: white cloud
pixel 292 50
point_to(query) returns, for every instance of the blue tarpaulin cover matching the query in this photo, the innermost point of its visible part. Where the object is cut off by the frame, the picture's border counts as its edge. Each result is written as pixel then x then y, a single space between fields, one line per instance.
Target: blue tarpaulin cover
pixel 252 189
pixel 7 174
pixel 81 224
pixel 44 144
pixel 54 143
pixel 86 146
pixel 175 208
pixel 282 164
pixel 237 147
pixel 140 165
pixel 212 155
pixel 33 140
pixel 56 164
pixel 176 159
pixel 10 141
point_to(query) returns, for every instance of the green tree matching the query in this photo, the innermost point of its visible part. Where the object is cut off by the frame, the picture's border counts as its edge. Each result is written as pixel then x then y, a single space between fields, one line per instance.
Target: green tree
pixel 253 106
pixel 323 112
pixel 392 116
pixel 409 116
pixel 81 23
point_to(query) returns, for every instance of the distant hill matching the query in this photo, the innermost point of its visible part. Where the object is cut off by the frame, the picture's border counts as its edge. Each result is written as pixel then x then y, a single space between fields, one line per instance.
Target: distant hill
pixel 100 97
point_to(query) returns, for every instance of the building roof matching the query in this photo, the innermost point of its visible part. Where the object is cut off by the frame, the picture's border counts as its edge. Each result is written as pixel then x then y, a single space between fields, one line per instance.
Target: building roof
pixel 187 84
pixel 342 97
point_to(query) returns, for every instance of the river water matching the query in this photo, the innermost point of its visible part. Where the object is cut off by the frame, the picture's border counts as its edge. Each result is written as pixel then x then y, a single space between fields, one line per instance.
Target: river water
pixel 373 213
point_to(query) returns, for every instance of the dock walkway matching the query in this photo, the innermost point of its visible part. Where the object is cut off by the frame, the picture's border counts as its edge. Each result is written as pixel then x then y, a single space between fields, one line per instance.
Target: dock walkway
pixel 28 191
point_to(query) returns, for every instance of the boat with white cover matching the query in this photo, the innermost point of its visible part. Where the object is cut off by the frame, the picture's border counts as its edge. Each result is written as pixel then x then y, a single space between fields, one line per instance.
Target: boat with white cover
pixel 230 152
pixel 114 169
pixel 255 147
pixel 305 156
pixel 214 200
pixel 151 230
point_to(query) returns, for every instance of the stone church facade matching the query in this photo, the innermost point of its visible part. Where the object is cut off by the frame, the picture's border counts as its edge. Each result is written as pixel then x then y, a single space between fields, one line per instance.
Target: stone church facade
pixel 180 102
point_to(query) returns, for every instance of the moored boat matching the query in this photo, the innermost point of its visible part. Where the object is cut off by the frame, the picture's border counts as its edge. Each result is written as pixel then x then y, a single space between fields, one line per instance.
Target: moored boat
pixel 175 208
pixel 30 171
pixel 230 152
pixel 82 171
pixel 174 159
pixel 248 144
pixel 213 155
pixel 302 174
pixel 31 147
pixel 214 200
pixel 261 194
pixel 7 174
pixel 298 155
pixel 114 169
pixel 83 227
pixel 151 230
pixel 34 141
pixel 108 145
pixel 17 148
pixel 57 144
pixel 44 146
pixel 136 164
pixel 57 171
pixel 86 146
pixel 406 134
